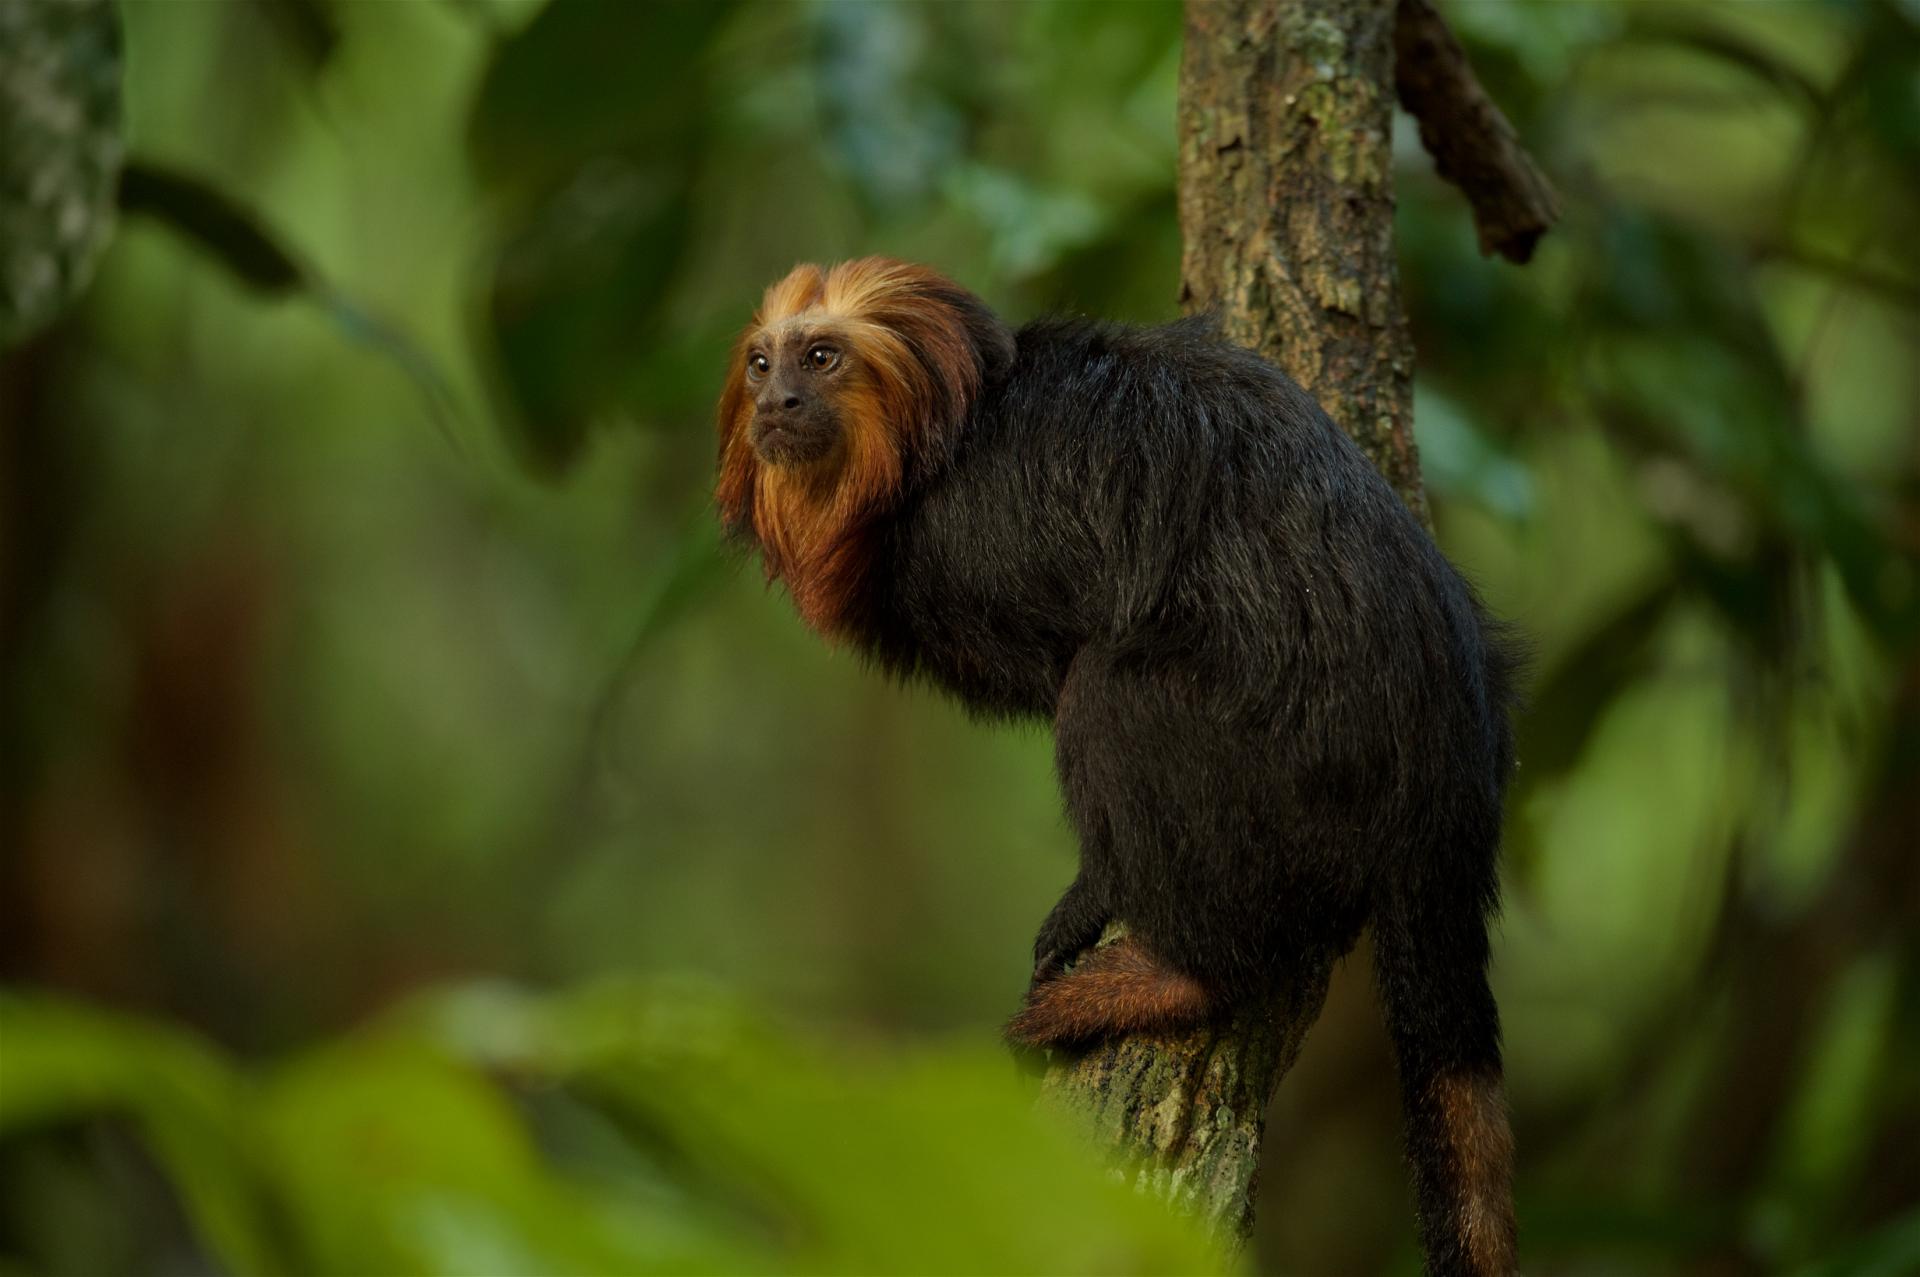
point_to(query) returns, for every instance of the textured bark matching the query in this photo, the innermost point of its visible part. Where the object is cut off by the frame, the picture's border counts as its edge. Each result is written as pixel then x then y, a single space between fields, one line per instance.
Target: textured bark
pixel 1184 1113
pixel 1286 205
pixel 1286 209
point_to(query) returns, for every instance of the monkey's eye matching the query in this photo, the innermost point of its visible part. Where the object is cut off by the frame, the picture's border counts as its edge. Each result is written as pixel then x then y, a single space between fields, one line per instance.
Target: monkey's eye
pixel 756 365
pixel 823 357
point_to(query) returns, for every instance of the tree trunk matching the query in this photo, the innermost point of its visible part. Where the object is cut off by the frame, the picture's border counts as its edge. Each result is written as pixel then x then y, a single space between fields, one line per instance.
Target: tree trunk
pixel 1286 205
pixel 1286 208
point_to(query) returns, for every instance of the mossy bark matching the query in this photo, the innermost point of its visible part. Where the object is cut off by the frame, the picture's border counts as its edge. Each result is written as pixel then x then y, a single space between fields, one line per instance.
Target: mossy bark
pixel 1286 209
pixel 1183 1114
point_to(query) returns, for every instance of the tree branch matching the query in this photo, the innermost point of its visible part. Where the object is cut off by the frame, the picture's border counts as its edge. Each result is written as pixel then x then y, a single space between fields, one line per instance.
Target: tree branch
pixel 1472 144
pixel 1186 1113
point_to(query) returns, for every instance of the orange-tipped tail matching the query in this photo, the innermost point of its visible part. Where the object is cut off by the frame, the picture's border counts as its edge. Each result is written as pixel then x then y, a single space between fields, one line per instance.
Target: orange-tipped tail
pixel 1122 988
pixel 1459 1124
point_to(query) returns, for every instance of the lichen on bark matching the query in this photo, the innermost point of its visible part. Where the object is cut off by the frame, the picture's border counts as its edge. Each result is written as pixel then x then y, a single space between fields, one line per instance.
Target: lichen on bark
pixel 60 152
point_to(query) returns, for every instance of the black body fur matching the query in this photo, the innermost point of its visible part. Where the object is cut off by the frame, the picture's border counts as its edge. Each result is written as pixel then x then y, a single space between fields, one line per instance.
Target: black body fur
pixel 1280 712
pixel 1281 715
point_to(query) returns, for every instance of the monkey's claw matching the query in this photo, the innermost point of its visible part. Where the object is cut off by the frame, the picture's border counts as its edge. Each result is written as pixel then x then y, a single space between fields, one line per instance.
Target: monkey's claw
pixel 1049 966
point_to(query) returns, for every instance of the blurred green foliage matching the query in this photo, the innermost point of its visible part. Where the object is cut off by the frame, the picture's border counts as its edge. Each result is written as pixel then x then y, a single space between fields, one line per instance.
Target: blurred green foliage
pixel 363 629
pixel 627 1127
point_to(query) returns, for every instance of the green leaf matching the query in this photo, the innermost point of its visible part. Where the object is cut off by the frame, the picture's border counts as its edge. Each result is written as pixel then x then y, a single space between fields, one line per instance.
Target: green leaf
pixel 590 121
pixel 61 1063
pixel 585 79
pixel 575 296
pixel 630 1127
pixel 390 1156
pixel 931 1162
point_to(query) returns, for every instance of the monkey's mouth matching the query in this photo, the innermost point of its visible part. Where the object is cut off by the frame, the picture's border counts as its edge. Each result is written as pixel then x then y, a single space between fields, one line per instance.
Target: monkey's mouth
pixel 786 442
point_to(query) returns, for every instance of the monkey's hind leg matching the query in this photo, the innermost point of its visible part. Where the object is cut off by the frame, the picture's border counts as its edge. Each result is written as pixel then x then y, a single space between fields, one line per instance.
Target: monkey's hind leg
pixel 1121 988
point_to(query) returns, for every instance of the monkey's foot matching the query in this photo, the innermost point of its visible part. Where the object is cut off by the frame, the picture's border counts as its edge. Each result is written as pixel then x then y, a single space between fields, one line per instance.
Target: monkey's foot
pixel 1122 988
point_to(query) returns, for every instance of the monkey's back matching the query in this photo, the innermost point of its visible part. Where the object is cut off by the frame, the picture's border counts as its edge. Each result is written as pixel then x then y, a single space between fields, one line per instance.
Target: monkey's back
pixel 1273 695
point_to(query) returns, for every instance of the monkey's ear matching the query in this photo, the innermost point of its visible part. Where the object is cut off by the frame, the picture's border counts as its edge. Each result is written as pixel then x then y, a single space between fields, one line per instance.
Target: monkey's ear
pixel 992 340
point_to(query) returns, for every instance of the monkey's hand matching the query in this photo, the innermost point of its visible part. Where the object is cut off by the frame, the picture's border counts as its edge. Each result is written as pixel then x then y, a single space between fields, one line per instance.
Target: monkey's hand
pixel 1075 924
pixel 1051 963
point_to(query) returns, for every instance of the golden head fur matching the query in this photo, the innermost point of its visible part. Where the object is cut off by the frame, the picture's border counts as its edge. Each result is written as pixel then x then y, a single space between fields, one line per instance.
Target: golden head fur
pixel 890 357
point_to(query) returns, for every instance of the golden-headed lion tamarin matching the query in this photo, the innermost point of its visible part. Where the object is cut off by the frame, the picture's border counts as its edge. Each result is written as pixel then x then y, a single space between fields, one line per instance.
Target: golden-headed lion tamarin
pixel 1281 715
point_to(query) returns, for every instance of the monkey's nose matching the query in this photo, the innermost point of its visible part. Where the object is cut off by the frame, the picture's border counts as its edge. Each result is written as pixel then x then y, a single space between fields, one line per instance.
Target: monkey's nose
pixel 791 402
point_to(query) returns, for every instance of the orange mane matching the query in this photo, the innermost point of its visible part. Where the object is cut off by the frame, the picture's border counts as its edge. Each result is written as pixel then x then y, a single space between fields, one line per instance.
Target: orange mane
pixel 919 365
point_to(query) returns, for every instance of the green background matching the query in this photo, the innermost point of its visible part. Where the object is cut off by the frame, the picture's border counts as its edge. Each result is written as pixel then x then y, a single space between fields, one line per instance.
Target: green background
pixel 426 850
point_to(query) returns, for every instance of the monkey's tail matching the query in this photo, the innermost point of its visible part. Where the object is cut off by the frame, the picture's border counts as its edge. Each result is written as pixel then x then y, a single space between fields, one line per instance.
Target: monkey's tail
pixel 1121 988
pixel 1431 960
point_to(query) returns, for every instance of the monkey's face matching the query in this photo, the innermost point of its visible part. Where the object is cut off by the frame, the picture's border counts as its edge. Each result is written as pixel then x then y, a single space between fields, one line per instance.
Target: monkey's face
pixel 848 383
pixel 797 377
